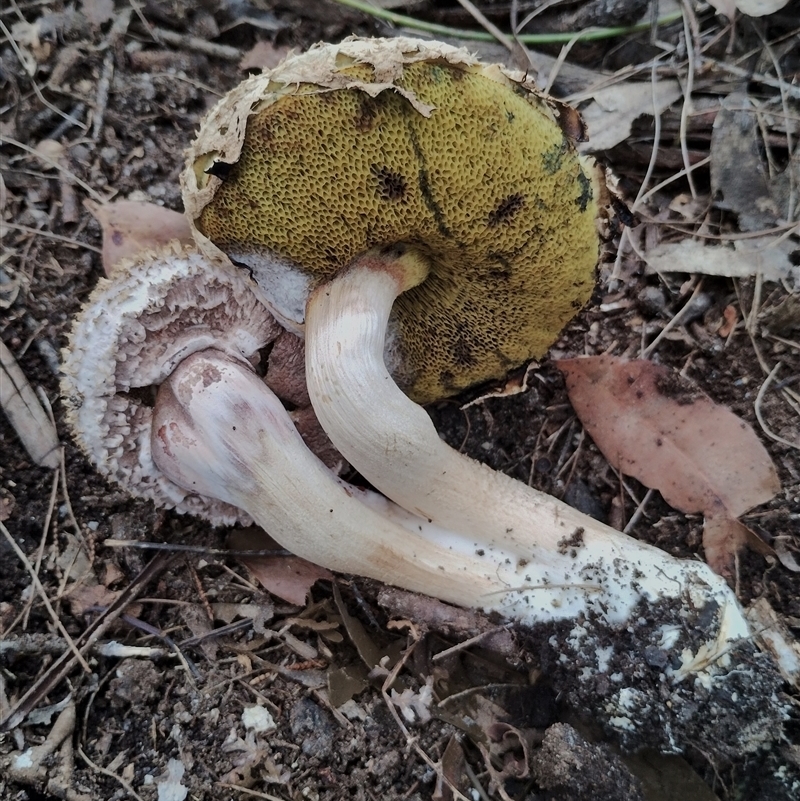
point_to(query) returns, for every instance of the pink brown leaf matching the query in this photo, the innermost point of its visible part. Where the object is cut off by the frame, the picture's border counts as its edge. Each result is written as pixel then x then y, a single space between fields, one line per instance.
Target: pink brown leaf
pixel 654 425
pixel 289 577
pixel 131 226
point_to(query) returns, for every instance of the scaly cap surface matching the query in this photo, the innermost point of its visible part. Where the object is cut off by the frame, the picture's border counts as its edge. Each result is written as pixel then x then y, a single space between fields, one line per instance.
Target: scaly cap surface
pixel 374 142
pixel 152 313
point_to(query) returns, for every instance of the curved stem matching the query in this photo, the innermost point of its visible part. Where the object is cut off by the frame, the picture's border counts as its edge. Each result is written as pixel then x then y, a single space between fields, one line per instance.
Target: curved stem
pixel 575 562
pixel 219 431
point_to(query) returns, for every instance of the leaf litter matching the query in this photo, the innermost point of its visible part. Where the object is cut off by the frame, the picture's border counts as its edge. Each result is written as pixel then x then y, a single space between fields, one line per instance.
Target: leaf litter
pixel 654 425
pixel 145 166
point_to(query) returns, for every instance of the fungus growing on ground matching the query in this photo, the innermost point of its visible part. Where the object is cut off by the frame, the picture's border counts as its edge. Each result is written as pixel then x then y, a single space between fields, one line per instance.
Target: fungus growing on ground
pixel 430 226
pixel 377 142
pixel 426 220
pixel 216 440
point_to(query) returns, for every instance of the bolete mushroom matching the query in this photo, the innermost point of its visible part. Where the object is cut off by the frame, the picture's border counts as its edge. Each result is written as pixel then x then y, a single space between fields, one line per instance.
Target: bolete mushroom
pixel 378 142
pixel 215 440
pixel 426 220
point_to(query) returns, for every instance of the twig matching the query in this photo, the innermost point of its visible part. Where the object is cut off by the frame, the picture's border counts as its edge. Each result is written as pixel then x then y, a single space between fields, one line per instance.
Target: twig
pixel 35 86
pixel 61 667
pixel 66 124
pixel 49 235
pixel 413 741
pixel 691 35
pixel 504 40
pixel 196 549
pixel 672 323
pixel 41 644
pixel 535 13
pixel 562 56
pixel 656 139
pixel 106 772
pixel 760 417
pixel 680 174
pixel 40 551
pixel 638 513
pixel 43 594
pixel 757 77
pixel 199 45
pixel 467 643
pixel 60 167
pixel 101 98
pixel 247 791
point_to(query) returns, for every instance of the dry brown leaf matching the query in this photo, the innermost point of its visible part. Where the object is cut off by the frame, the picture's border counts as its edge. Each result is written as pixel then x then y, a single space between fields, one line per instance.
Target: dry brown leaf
pixel 130 226
pixel 83 598
pixel 614 109
pixel 26 414
pixel 288 577
pixel 263 56
pixel 785 556
pixel 453 773
pixel 6 507
pixel 652 424
pixel 724 537
pixel 729 319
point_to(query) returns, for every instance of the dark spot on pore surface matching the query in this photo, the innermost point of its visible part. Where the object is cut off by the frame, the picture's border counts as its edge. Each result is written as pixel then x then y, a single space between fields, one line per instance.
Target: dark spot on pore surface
pixel 391 185
pixel 506 209
pixel 462 350
pixel 553 158
pixel 586 194
pixel 220 169
pixel 368 109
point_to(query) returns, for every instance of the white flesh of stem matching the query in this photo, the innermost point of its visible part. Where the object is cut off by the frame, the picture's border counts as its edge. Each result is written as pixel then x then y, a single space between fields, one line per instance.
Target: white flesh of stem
pixel 573 563
pixel 219 431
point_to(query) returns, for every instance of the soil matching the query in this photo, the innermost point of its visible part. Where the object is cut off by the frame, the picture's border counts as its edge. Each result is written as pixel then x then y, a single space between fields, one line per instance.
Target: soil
pixel 285 703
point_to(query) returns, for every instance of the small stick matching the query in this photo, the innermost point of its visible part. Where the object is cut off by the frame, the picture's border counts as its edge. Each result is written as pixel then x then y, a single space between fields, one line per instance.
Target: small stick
pixel 200 45
pixel 101 101
pixel 61 667
pixel 43 594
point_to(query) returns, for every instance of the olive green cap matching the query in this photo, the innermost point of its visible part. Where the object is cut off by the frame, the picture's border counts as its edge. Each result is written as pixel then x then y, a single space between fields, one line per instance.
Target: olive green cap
pixel 381 141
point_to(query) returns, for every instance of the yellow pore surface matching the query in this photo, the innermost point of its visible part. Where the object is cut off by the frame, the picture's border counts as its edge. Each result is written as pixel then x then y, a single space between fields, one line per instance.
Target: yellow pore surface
pixel 487 187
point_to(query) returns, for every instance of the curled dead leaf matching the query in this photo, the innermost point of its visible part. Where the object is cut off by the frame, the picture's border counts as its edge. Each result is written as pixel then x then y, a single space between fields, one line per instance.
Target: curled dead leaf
pixel 654 425
pixel 724 537
pixel 131 226
pixel 26 414
pixel 289 577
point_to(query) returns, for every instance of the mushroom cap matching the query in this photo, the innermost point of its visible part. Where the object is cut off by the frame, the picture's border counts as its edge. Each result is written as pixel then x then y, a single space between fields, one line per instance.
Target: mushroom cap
pixel 375 142
pixel 138 325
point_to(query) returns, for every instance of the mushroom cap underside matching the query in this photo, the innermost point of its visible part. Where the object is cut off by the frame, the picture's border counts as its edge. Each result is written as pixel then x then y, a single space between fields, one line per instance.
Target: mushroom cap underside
pixel 456 159
pixel 138 325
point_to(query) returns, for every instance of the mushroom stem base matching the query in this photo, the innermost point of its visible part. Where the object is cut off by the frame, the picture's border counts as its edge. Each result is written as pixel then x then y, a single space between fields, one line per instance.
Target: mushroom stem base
pixel 220 432
pixel 572 563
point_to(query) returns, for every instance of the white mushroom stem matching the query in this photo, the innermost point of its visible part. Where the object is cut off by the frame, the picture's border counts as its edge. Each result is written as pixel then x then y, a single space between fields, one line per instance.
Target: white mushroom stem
pixel 220 432
pixel 573 563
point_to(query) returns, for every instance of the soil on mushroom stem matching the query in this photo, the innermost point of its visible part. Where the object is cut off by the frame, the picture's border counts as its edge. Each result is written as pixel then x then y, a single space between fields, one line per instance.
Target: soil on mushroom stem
pixel 145 713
